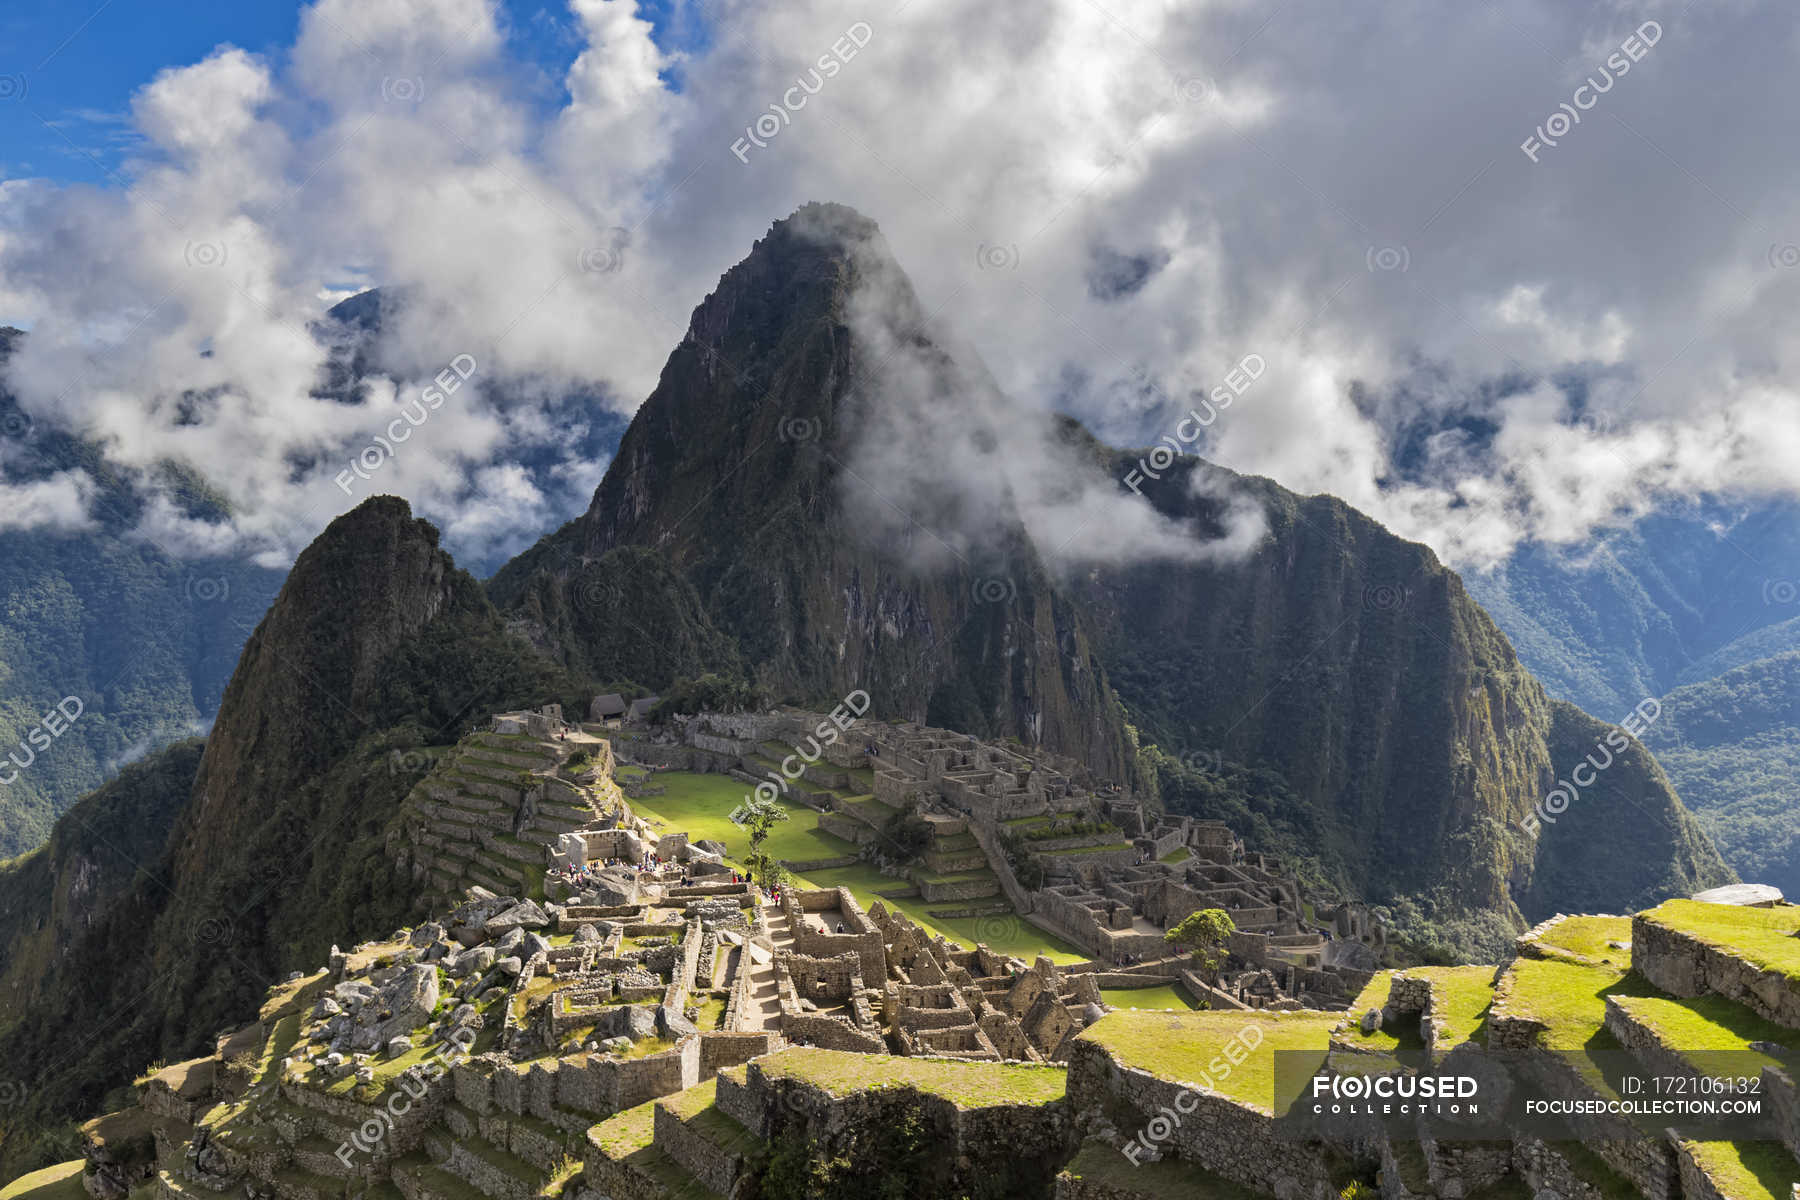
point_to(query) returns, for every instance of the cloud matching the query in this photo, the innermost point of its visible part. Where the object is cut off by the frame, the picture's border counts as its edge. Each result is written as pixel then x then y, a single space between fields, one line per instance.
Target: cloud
pixel 58 504
pixel 1112 207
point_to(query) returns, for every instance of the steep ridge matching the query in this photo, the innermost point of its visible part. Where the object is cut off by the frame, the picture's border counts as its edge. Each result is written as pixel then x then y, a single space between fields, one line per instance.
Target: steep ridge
pixel 1355 665
pixel 377 651
pixel 1732 742
pixel 1696 605
pixel 734 472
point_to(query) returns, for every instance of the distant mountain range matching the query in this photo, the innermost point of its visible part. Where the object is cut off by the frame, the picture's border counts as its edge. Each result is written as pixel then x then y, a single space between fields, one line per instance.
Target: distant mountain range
pixel 1700 608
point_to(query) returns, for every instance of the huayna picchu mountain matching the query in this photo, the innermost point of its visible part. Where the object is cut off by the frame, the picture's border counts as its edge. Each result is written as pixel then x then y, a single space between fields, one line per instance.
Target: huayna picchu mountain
pixel 1330 688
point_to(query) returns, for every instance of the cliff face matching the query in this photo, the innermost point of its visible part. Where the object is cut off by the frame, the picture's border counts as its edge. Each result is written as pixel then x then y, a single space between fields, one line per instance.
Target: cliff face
pixel 166 903
pixel 1355 665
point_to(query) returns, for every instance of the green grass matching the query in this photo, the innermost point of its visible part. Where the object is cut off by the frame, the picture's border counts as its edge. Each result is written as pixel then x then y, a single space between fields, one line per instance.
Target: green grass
pixel 702 805
pixel 1168 1179
pixel 1763 937
pixel 1570 999
pixel 60 1182
pixel 1181 854
pixel 968 1084
pixel 1746 1170
pixel 1185 1046
pixel 624 1134
pixel 1464 995
pixel 1374 995
pixel 712 1013
pixel 1711 1033
pixel 1588 937
pixel 1166 997
pixel 1109 847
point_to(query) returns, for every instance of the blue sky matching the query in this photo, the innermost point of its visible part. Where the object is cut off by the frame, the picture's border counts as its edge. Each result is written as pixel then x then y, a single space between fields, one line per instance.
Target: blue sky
pixel 68 70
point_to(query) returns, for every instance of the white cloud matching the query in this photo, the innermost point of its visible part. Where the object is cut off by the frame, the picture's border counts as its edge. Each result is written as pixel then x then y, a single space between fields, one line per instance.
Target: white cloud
pixel 58 504
pixel 1340 191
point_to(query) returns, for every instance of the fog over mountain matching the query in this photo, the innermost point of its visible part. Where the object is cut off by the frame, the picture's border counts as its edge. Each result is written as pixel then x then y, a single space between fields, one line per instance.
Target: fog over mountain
pixel 1473 334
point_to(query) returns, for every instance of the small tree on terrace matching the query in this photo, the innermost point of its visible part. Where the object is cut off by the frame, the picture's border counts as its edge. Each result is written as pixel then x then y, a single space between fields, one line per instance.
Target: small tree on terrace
pixel 1206 934
pixel 758 815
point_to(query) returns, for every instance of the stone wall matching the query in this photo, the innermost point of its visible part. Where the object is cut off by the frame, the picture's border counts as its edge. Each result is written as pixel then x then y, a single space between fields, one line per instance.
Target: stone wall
pixel 1545 1170
pixel 1686 966
pixel 987 837
pixel 1784 1103
pixel 593 1083
pixel 829 1033
pixel 719 1050
pixel 713 1165
pixel 989 1141
pixel 1229 1139
pixel 861 937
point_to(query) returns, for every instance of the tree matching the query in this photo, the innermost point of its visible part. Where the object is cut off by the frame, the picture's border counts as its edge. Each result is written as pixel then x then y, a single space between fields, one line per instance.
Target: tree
pixel 758 815
pixel 1206 934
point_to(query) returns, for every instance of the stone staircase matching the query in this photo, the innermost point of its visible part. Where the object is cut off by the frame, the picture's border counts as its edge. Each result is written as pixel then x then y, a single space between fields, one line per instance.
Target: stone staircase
pixel 954 868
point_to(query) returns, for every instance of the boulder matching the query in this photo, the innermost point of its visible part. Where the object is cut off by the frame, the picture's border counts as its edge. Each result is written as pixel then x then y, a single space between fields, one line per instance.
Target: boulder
pixel 427 934
pixel 510 943
pixel 523 915
pixel 633 1022
pixel 533 945
pixel 1371 1021
pixel 509 966
pixel 672 1023
pixel 587 933
pixel 398 1045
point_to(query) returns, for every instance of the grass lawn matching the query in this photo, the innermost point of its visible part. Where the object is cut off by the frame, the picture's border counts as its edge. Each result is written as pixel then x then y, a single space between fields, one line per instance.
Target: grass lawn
pixel 1464 993
pixel 624 1134
pixel 1384 1040
pixel 61 1182
pixel 1570 999
pixel 1167 996
pixel 1181 854
pixel 1185 1047
pixel 1169 1179
pixel 711 1013
pixel 1588 937
pixel 702 805
pixel 1763 937
pixel 968 1084
pixel 1746 1170
pixel 1711 1033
